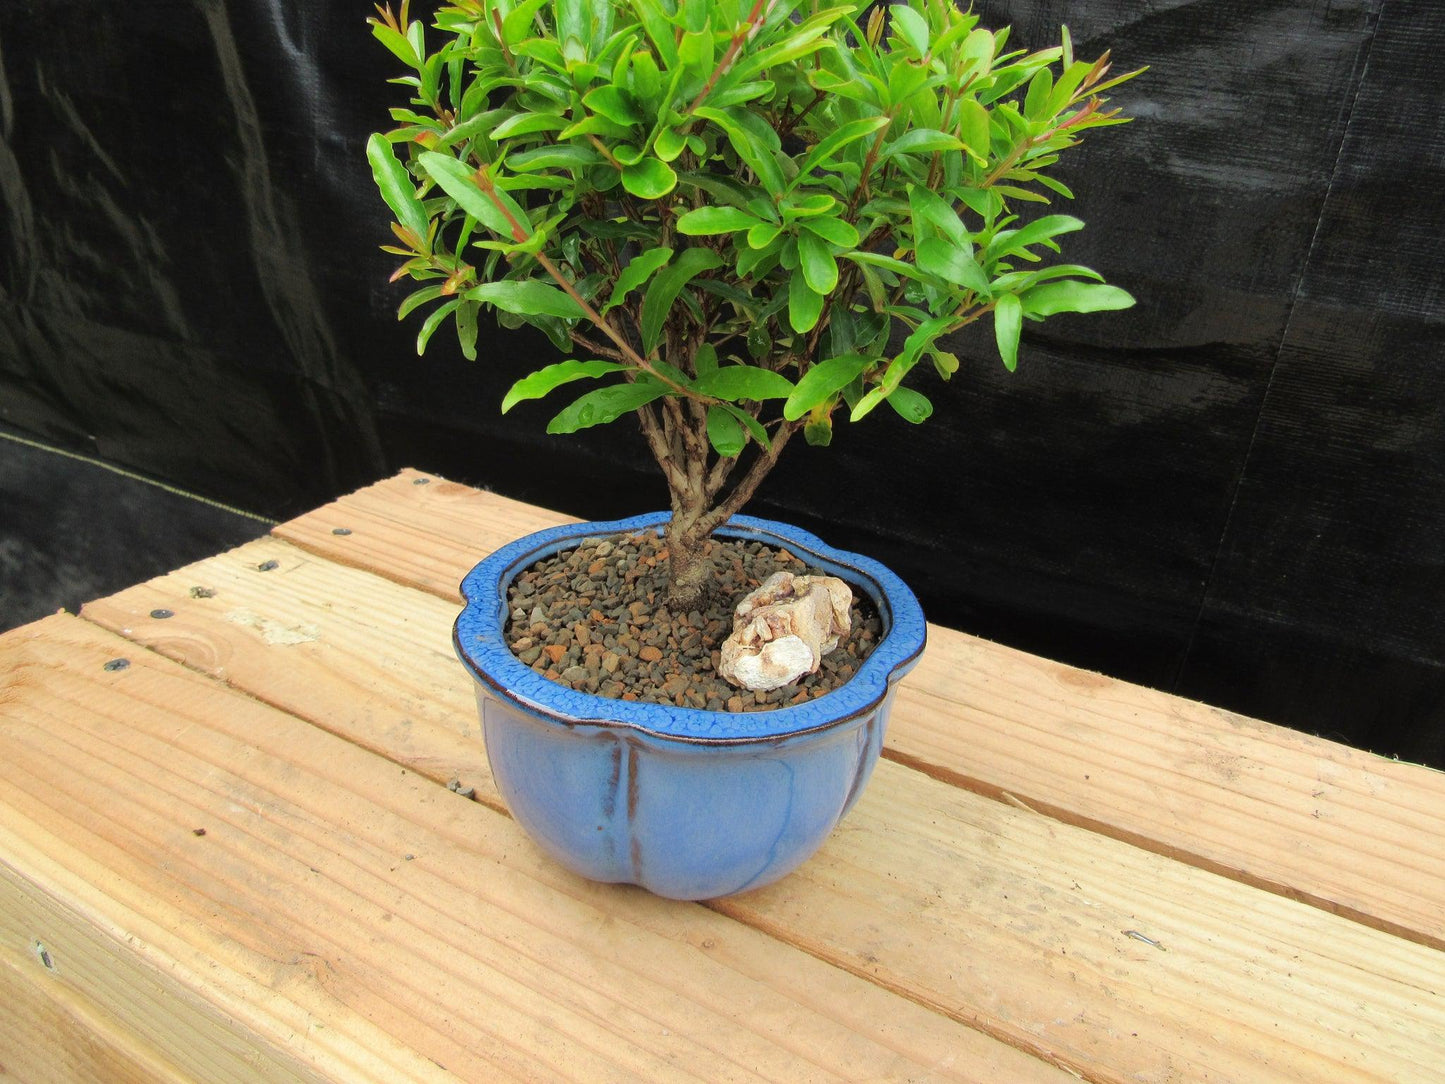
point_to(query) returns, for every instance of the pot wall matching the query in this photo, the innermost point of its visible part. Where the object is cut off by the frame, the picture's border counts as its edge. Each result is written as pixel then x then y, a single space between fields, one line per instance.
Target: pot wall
pixel 689 804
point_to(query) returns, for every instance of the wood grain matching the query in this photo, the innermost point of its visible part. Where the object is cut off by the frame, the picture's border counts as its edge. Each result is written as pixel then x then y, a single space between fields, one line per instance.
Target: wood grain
pixel 48 1035
pixel 1335 827
pixel 361 656
pixel 385 928
pixel 1006 920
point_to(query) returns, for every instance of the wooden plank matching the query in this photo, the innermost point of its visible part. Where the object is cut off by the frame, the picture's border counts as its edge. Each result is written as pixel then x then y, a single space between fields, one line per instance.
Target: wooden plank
pixel 133 1008
pixel 1335 827
pixel 48 1035
pixel 417 529
pixel 385 928
pixel 302 635
pixel 1018 924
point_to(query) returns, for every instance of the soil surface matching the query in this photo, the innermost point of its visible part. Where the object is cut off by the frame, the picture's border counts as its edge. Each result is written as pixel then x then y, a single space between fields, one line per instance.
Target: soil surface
pixel 594 618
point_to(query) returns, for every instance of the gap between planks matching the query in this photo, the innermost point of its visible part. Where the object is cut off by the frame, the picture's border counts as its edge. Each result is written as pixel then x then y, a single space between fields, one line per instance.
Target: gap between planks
pixel 1271 807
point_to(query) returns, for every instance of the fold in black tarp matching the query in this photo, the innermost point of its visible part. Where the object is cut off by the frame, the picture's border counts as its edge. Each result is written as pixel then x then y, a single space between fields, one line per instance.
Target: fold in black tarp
pixel 1232 490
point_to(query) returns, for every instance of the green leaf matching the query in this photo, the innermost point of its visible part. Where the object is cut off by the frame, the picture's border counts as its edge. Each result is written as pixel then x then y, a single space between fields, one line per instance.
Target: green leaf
pixel 951 263
pixel 911 27
pixel 1067 295
pixel 1007 323
pixel 973 128
pixel 669 144
pixel 1041 88
pixel 818 203
pixel 1040 230
pixel 734 382
pixel 763 234
pixel 432 322
pixel 834 142
pixel 527 123
pixel 822 381
pixel 801 40
pixel 752 425
pixel 612 103
pixel 638 270
pixel 921 141
pixel 911 406
pixel 420 297
pixel 564 155
pixel 519 20
pixel 819 433
pixel 457 180
pixel 467 330
pixel 605 405
pixel 750 143
pixel 819 268
pixel 596 124
pixel 400 46
pixel 710 220
pixel 760 343
pixel 864 406
pixel 888 263
pixel 655 21
pixel 934 215
pixel 397 186
pixel 833 230
pixel 657 302
pixel 805 304
pixel 705 360
pixel 537 384
pixel 725 432
pixel 527 297
pixel 650 178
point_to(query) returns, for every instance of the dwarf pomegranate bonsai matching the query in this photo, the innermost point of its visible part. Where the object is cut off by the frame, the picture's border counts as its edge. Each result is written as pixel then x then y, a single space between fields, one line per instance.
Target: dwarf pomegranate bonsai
pixel 738 220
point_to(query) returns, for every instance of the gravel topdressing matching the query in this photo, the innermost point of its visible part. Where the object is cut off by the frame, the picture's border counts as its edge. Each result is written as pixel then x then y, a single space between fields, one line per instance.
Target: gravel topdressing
pixel 594 618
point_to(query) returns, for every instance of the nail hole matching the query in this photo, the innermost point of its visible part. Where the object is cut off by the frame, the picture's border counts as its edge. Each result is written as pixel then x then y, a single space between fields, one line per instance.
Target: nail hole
pixel 117 664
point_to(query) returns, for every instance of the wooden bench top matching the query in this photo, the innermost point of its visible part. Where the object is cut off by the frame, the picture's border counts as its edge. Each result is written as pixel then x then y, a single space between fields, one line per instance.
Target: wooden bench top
pixel 235 857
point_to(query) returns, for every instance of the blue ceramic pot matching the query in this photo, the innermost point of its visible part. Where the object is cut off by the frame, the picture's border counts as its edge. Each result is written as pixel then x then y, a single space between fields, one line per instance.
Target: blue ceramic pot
pixel 689 804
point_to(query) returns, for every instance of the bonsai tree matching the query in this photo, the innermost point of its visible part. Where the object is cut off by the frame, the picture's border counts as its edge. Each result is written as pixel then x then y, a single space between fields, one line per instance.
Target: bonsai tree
pixel 737 219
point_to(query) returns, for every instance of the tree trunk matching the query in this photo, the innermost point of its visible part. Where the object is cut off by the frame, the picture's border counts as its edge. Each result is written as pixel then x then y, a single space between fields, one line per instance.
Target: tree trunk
pixel 688 569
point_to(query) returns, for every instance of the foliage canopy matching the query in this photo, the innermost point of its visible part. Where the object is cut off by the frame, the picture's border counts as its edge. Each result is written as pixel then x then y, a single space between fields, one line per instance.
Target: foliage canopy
pixel 743 218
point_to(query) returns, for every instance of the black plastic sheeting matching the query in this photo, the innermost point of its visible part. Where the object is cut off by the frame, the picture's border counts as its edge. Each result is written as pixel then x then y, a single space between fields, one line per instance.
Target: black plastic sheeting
pixel 76 530
pixel 1233 491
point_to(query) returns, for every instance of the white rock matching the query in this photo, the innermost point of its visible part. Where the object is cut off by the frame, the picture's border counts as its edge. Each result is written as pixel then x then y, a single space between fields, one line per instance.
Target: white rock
pixel 782 630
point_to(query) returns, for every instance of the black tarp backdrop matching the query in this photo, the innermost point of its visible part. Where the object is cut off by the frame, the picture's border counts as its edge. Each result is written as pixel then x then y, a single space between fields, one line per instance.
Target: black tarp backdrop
pixel 1232 491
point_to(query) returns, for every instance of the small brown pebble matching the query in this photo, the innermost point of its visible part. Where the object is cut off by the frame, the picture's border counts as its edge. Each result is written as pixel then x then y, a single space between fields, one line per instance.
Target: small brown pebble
pixel 554 652
pixel 198 831
pixel 650 653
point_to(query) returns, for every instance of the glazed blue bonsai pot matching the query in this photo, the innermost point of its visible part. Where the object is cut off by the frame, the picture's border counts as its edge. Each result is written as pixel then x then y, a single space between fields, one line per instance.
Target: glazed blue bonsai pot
pixel 690 804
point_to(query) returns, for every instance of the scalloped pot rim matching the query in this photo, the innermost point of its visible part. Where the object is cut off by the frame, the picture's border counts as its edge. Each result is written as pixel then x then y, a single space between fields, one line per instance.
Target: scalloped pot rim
pixel 480 643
